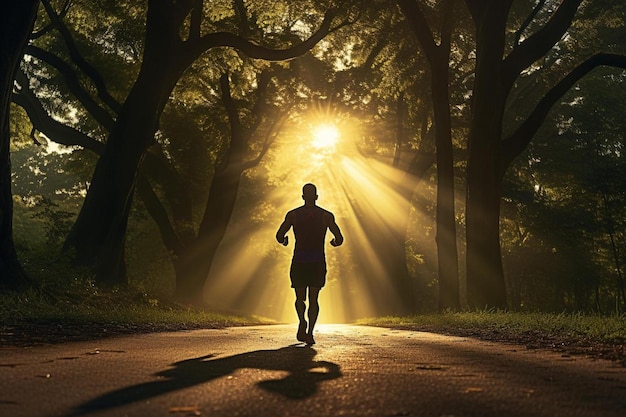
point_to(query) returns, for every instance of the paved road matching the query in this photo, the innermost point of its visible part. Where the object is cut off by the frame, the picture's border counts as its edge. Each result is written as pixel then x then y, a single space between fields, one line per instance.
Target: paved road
pixel 258 371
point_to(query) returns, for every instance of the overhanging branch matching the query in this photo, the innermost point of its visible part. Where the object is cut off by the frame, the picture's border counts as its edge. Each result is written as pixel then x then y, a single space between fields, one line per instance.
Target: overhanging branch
pixel 71 78
pixel 226 39
pixel 86 67
pixel 540 43
pixel 43 122
pixel 519 140
pixel 529 19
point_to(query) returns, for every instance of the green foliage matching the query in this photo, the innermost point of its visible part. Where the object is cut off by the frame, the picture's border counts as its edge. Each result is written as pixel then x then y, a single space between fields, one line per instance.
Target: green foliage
pixel 563 225
pixel 57 222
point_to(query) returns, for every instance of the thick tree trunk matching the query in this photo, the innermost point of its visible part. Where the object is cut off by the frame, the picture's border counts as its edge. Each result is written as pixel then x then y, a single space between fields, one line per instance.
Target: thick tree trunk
pixel 485 276
pixel 98 235
pixel 16 24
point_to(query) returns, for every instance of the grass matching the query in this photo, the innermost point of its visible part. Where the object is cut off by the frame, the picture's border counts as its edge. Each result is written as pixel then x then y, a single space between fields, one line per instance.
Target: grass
pixel 508 325
pixel 86 312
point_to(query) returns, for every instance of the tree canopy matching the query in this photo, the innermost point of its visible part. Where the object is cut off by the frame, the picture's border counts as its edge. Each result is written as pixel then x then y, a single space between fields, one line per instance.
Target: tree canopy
pixel 477 161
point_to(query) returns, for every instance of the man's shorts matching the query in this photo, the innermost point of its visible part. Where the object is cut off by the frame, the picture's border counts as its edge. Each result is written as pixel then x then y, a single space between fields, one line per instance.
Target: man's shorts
pixel 307 274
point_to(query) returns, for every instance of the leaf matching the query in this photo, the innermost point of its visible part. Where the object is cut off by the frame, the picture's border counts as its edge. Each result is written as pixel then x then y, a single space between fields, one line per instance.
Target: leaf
pixel 189 410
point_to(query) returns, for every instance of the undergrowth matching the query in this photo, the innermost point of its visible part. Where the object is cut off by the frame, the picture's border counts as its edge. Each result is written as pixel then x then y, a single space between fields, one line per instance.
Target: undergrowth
pixel 85 303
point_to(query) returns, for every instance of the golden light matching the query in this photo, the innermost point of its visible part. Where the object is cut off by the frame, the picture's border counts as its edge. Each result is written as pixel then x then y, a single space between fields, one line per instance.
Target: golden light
pixel 369 200
pixel 325 136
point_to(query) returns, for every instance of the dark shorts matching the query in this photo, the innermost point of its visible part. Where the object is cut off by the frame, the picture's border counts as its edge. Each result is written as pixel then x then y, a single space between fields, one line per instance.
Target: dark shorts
pixel 307 274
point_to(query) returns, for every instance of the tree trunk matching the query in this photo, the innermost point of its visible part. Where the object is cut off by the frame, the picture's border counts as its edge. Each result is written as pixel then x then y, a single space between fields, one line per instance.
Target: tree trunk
pixel 98 234
pixel 485 276
pixel 438 57
pixel 447 254
pixel 16 24
pixel 193 268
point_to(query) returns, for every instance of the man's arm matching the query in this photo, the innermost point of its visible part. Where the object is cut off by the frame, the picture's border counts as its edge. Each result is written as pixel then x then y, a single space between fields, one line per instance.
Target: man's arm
pixel 283 229
pixel 334 229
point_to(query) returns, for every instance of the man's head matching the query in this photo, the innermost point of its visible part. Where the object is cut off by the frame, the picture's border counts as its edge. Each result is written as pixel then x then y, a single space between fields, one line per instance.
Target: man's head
pixel 309 193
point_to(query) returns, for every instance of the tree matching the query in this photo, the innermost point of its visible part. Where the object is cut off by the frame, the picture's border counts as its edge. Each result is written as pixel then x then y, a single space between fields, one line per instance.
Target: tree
pixel 193 253
pixel 16 24
pixel 97 236
pixel 438 57
pixel 490 152
pixel 573 202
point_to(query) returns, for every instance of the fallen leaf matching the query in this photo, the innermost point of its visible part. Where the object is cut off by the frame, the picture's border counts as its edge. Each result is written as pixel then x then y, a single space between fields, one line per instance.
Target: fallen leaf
pixel 192 411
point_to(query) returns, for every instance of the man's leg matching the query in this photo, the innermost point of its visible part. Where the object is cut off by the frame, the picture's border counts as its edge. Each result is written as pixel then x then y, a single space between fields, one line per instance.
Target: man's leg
pixel 314 310
pixel 300 309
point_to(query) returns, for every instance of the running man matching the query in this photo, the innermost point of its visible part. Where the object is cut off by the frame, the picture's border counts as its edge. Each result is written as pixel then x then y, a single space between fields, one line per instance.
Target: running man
pixel 308 266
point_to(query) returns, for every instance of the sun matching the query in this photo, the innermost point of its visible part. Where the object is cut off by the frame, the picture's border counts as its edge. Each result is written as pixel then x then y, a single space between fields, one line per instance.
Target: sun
pixel 325 136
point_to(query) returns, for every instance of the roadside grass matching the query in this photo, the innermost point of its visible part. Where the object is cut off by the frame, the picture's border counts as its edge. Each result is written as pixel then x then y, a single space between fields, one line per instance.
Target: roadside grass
pixel 524 327
pixel 86 312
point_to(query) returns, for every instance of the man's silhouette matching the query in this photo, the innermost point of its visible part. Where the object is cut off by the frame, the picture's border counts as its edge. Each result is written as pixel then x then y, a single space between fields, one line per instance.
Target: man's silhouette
pixel 308 266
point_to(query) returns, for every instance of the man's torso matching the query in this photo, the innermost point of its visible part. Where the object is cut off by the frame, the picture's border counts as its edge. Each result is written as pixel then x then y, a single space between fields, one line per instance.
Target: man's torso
pixel 309 226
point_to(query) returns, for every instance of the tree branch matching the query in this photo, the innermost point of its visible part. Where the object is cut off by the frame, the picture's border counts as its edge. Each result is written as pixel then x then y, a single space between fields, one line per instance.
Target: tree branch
pixel 263 82
pixel 242 14
pixel 43 122
pixel 196 19
pixel 418 24
pixel 269 139
pixel 529 19
pixel 161 171
pixel 158 212
pixel 50 26
pixel 33 137
pixel 101 115
pixel 519 140
pixel 229 103
pixel 225 39
pixel 66 135
pixel 86 67
pixel 376 50
pixel 540 43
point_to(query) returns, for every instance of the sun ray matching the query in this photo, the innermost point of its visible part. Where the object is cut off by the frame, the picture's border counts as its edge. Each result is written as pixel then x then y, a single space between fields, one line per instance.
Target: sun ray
pixel 370 201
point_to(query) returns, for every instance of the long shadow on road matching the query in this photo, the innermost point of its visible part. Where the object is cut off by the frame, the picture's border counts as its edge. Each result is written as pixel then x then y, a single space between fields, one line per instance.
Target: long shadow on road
pixel 302 381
